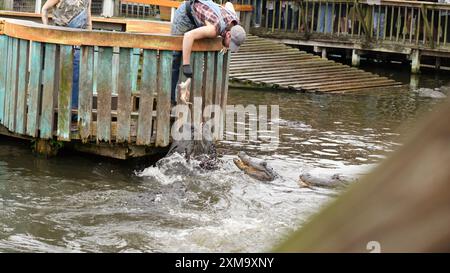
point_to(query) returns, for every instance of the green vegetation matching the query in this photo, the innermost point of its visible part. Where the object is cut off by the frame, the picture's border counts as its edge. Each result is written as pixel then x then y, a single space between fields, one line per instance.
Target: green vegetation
pixel 48 148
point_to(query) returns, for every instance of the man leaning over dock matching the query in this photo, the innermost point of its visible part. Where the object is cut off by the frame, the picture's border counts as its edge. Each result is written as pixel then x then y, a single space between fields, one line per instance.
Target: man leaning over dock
pixel 199 19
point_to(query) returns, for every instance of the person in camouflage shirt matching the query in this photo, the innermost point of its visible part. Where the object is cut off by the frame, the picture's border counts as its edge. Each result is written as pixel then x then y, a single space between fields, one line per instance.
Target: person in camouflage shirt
pixel 66 12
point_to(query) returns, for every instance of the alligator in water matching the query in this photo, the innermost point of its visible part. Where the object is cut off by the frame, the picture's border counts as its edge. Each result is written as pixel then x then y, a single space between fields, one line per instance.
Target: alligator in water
pixel 255 168
pixel 327 181
pixel 430 93
pixel 202 150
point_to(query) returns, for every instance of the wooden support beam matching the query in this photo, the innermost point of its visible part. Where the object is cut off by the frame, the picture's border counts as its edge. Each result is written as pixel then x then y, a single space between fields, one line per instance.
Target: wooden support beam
pixel 414 81
pixel 324 53
pixel 356 58
pixel 424 12
pixel 45 147
pixel 415 61
pixel 361 19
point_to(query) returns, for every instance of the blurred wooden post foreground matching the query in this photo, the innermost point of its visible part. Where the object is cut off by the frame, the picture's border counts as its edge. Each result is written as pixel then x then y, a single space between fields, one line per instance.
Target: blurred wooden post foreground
pixel 402 206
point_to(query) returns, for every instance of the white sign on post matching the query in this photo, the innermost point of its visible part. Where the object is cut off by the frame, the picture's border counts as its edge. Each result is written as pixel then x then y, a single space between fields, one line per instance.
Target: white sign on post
pixel 108 8
pixel 38 6
pixel 374 2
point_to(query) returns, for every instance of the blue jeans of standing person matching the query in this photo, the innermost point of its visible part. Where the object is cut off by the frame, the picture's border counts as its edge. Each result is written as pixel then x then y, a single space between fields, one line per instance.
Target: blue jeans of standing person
pixel 180 25
pixel 269 18
pixel 80 21
pixel 377 14
pixel 328 10
pixel 258 7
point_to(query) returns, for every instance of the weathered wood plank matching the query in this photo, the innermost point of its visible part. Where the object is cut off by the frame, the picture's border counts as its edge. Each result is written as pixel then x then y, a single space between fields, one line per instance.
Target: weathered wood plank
pixel 208 110
pixel 148 88
pixel 115 70
pixel 86 92
pixel 163 101
pixel 104 85
pixel 21 110
pixel 49 91
pixel 28 30
pixel 124 95
pixel 272 63
pixel 273 58
pixel 135 56
pixel 359 86
pixel 224 96
pixel 304 76
pixel 197 83
pixel 343 82
pixel 270 71
pixel 225 78
pixel 208 81
pixel 218 79
pixel 34 88
pixel 318 77
pixel 13 86
pixel 65 93
pixel 302 71
pixel 197 91
pixel 3 73
pixel 8 83
pixel 94 83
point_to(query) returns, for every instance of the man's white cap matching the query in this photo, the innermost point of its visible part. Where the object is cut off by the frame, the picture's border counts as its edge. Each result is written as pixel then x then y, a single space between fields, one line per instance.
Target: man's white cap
pixel 237 37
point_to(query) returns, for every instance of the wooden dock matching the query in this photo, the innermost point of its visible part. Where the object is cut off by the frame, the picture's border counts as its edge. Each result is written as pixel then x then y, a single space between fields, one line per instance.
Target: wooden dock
pixel 412 31
pixel 266 63
pixel 124 107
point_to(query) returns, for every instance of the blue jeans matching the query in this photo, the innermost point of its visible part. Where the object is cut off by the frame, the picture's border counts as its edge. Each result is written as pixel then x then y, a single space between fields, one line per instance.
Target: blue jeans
pixel 269 18
pixel 321 24
pixel 258 12
pixel 180 25
pixel 80 21
pixel 377 14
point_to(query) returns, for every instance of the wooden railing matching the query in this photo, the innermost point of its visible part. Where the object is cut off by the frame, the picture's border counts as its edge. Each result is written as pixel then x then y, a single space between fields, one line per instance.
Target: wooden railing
pixel 165 9
pixel 125 83
pixel 406 22
pixel 101 23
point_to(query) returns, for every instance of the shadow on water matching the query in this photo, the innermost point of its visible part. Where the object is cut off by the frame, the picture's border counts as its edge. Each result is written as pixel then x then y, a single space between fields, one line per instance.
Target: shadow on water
pixel 68 163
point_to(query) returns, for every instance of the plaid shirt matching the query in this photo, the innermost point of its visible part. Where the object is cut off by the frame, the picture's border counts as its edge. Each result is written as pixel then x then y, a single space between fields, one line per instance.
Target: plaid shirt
pixel 205 14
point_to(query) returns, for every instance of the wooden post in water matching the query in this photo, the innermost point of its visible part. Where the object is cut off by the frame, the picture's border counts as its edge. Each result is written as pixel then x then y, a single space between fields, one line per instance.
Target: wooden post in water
pixel 437 64
pixel 415 61
pixel 414 81
pixel 324 53
pixel 44 147
pixel 356 58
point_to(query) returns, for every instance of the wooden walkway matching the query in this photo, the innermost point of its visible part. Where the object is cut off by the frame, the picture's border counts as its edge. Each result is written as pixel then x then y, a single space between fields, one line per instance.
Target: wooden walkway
pixel 265 63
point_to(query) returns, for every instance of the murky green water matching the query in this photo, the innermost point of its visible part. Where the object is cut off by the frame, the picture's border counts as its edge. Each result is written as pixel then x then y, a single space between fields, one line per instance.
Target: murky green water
pixel 82 203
